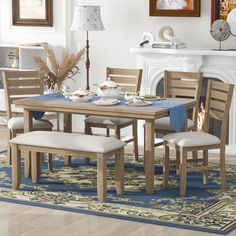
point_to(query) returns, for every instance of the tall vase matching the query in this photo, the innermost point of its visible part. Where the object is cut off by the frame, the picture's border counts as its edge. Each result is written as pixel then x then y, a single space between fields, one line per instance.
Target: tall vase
pixel 58 88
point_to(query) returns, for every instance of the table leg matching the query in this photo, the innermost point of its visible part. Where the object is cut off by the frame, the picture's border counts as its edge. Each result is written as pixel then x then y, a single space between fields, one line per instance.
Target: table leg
pixel 67 129
pixel 149 155
pixel 28 126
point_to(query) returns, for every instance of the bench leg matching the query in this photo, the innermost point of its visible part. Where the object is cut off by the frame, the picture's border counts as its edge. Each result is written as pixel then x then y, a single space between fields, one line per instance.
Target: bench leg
pixel 119 172
pixel 35 162
pixel 101 177
pixel 16 168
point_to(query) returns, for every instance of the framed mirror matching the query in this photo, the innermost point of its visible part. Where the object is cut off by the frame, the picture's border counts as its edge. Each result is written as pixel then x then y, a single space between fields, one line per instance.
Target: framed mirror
pixel 181 8
pixel 32 13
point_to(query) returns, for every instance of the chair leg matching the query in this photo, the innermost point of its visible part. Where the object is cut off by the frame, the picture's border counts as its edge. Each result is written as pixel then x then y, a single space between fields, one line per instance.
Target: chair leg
pixel 177 161
pixel 101 178
pixel 135 136
pixel 9 153
pixel 183 172
pixel 27 164
pixel 195 155
pixel 87 131
pixel 58 121
pixel 107 132
pixel 50 163
pixel 117 132
pixel 205 163
pixel 35 165
pixel 166 166
pixel 16 168
pixel 222 170
pixel 119 172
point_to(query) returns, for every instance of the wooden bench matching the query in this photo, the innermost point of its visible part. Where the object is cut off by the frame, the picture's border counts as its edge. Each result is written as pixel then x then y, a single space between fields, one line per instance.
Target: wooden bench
pixel 70 144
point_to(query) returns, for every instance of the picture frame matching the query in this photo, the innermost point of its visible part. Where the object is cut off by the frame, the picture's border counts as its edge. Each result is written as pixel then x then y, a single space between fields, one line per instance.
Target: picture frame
pixel 177 8
pixel 220 10
pixel 32 13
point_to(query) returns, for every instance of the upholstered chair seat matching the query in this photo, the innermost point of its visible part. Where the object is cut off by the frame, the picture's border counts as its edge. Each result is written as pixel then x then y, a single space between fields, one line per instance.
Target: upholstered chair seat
pixel 191 139
pixel 164 124
pixel 17 123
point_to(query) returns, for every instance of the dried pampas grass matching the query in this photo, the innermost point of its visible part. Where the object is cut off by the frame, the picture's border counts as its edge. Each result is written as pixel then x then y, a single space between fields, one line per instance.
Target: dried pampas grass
pixel 58 71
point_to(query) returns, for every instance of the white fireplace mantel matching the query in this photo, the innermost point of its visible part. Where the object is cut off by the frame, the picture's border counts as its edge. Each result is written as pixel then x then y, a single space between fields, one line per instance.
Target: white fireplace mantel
pixel 213 64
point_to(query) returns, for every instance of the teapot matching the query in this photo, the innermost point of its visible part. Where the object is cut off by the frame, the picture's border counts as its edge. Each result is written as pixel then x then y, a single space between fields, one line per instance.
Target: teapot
pixel 109 89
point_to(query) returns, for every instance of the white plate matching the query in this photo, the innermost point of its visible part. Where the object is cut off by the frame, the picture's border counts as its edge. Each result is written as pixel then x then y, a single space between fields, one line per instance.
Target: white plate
pixel 79 99
pixel 106 102
pixel 143 104
pixel 153 98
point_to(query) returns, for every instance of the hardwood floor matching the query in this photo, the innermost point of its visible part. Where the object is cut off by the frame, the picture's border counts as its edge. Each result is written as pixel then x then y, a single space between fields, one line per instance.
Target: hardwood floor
pixel 20 220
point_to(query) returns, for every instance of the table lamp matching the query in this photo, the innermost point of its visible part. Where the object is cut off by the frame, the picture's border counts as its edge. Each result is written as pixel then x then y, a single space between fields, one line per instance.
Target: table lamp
pixel 87 18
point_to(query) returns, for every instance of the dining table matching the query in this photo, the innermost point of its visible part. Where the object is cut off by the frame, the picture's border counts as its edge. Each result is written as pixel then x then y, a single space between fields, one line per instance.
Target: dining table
pixel 149 114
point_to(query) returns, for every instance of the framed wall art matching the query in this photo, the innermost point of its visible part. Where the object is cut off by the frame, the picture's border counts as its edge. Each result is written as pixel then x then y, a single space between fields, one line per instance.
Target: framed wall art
pixel 181 8
pixel 220 9
pixel 32 13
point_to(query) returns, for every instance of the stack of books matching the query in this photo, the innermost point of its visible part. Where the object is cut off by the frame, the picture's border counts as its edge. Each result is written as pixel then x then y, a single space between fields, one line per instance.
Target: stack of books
pixel 174 45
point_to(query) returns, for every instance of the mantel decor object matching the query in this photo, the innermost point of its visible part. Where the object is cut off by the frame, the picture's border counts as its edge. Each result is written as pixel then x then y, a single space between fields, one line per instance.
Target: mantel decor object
pixel 87 18
pixel 220 31
pixel 179 8
pixel 166 34
pixel 32 13
pixel 147 38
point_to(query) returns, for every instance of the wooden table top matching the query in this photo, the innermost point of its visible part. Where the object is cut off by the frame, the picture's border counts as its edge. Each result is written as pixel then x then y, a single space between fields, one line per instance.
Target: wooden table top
pixel 87 108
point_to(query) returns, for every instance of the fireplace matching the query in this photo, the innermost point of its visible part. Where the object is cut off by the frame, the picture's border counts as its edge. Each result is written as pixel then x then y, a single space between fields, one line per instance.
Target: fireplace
pixel 217 65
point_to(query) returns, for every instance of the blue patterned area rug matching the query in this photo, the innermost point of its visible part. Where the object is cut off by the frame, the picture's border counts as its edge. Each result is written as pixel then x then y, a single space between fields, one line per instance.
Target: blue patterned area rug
pixel 74 189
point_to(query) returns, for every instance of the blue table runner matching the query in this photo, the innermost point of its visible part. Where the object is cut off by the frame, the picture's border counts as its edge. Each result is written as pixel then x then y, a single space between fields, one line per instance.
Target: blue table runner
pixel 178 114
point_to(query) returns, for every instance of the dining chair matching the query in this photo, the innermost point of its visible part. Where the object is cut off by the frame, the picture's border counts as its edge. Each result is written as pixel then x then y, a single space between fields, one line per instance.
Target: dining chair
pixel 19 85
pixel 182 85
pixel 179 84
pixel 218 101
pixel 130 81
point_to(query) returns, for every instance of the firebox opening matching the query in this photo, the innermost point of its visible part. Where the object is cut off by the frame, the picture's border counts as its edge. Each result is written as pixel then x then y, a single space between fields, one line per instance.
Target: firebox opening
pixel 215 125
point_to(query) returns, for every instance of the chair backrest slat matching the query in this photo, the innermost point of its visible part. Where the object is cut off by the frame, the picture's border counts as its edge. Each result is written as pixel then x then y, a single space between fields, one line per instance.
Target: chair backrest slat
pixel 128 79
pixel 20 84
pixel 218 101
pixel 183 84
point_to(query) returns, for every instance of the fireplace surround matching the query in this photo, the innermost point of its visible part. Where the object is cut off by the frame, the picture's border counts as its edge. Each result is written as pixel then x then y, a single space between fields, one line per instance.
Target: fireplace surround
pixel 220 65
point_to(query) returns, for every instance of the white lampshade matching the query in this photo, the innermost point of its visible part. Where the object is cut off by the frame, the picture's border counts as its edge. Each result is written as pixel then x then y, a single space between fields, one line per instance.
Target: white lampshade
pixel 87 18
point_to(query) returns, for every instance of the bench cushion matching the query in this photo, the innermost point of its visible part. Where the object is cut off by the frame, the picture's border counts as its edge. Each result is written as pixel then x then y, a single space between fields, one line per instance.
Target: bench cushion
pixel 191 139
pixel 18 123
pixel 164 124
pixel 69 141
pixel 107 120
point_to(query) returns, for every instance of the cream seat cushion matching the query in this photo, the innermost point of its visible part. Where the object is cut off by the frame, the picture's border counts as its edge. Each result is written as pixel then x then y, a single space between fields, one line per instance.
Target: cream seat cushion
pixel 191 139
pixel 107 120
pixel 69 141
pixel 164 123
pixel 18 123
